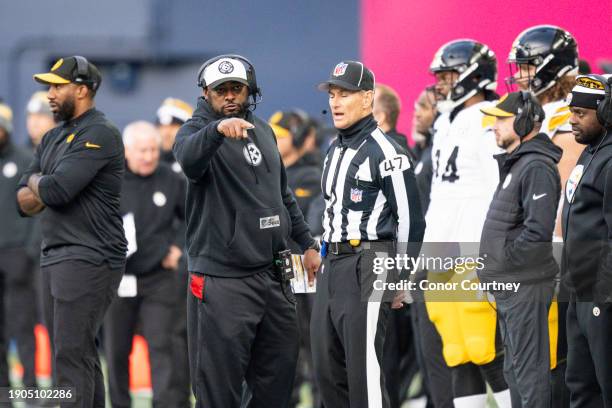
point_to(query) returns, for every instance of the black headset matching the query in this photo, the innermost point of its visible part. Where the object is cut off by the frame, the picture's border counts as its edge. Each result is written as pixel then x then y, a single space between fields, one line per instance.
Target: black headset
pixel 83 72
pixel 254 90
pixel 604 109
pixel 526 118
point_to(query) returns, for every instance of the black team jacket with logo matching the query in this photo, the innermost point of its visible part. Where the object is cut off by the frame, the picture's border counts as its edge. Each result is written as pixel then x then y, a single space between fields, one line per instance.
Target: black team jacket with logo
pixel 587 224
pixel 157 202
pixel 516 240
pixel 82 164
pixel 16 232
pixel 239 209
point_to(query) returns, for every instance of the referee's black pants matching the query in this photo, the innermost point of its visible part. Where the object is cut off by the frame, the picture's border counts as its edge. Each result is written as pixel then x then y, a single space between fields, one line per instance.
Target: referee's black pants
pixel 589 354
pixel 347 336
pixel 242 329
pixel 400 355
pixel 152 310
pixel 76 296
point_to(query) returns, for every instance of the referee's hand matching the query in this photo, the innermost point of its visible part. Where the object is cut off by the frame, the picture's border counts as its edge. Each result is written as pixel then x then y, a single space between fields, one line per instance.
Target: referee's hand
pixel 312 262
pixel 234 128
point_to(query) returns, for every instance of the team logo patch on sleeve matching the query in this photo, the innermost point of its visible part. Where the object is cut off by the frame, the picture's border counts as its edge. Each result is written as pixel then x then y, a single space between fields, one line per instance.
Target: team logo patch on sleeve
pixel 356 195
pixel 340 69
pixel 397 164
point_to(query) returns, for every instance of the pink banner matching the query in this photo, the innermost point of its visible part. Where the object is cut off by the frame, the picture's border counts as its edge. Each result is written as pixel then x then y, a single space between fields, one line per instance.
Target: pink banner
pixel 400 37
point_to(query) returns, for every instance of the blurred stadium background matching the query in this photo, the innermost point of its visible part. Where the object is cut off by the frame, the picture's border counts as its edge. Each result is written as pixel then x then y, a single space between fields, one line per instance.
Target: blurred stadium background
pixel 151 49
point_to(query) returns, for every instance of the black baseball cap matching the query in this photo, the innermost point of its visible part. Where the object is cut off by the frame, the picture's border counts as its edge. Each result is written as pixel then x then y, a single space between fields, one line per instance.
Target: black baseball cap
pixel 66 71
pixel 511 104
pixel 351 75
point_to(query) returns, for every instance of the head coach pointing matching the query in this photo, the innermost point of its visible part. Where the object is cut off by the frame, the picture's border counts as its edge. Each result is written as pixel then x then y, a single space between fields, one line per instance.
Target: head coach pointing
pixel 75 180
pixel 240 214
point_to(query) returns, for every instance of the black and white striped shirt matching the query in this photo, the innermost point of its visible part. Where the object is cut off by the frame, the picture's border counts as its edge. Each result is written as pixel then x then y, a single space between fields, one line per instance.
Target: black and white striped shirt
pixel 370 189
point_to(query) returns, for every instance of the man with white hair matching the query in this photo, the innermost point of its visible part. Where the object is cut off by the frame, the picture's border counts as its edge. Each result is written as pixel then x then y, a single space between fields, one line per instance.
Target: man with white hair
pixel 151 204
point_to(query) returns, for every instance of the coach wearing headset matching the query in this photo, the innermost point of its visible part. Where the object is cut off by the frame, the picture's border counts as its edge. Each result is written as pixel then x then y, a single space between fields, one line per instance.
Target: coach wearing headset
pixel 516 244
pixel 240 214
pixel 587 255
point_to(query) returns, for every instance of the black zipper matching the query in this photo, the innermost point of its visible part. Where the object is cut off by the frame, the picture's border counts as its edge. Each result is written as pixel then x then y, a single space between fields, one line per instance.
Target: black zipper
pixel 330 210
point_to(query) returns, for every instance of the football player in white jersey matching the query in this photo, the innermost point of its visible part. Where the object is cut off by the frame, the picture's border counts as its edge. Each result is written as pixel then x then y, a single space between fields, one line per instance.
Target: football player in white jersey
pixel 465 176
pixel 545 61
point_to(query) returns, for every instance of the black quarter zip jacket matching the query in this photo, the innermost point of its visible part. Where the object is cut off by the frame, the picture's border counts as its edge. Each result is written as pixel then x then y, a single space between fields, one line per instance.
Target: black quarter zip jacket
pixel 516 240
pixel 82 165
pixel 587 224
pixel 157 203
pixel 15 231
pixel 239 210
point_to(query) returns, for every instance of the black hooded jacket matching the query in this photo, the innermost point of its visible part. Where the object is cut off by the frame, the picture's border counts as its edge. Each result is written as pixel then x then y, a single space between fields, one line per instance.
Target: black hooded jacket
pixel 516 241
pixel 587 224
pixel 239 210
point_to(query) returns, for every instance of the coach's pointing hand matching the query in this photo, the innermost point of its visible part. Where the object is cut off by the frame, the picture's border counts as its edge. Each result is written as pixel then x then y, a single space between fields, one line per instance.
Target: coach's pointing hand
pixel 234 128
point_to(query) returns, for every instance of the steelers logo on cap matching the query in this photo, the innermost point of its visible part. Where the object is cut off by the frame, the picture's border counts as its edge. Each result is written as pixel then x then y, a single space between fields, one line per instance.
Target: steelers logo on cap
pixel 596 311
pixel 252 154
pixel 226 67
pixel 159 199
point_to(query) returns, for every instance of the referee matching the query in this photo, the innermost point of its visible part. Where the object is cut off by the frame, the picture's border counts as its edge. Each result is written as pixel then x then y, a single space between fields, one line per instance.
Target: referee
pixel 74 181
pixel 371 196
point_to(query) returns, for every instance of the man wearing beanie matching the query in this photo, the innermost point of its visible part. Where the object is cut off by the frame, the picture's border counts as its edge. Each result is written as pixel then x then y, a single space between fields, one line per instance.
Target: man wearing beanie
pixel 587 254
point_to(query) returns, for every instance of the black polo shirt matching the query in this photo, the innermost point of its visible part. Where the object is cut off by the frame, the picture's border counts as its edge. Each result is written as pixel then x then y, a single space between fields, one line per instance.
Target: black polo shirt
pixel 82 163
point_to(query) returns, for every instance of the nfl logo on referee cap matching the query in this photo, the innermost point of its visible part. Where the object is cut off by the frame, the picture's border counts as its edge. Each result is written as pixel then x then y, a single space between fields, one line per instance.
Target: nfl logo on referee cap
pixel 340 69
pixel 356 195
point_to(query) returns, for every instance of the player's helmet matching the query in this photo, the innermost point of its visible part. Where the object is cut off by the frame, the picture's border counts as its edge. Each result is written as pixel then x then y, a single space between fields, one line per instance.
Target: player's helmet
pixel 475 63
pixel 552 50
